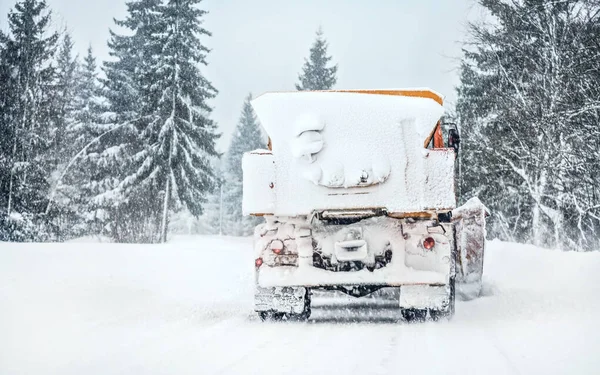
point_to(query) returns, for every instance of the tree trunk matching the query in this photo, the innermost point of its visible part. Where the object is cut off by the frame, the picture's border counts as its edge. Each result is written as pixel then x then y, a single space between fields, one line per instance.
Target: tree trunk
pixel 557 230
pixel 538 192
pixel 12 175
pixel 165 214
pixel 221 210
pixel 536 225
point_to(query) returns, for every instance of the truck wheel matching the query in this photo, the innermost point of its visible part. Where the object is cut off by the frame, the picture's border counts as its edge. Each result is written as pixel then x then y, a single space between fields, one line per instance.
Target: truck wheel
pixel 305 314
pixel 275 316
pixel 448 311
pixel 414 315
pixel 270 316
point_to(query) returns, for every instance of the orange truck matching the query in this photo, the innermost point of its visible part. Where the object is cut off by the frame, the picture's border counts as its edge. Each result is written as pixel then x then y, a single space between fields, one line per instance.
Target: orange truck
pixel 357 189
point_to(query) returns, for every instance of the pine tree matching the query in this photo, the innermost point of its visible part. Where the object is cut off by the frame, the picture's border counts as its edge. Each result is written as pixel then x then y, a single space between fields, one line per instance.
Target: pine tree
pixel 247 137
pixel 8 133
pixel 316 75
pixel 88 105
pixel 180 128
pixel 118 131
pixel 28 78
pixel 129 75
pixel 159 95
pixel 78 177
pixel 66 86
pixel 62 218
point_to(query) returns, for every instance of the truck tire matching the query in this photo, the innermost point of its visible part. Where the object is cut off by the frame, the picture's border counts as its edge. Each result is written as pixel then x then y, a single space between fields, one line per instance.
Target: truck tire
pixel 448 311
pixel 276 316
pixel 270 316
pixel 420 315
pixel 414 315
pixel 305 314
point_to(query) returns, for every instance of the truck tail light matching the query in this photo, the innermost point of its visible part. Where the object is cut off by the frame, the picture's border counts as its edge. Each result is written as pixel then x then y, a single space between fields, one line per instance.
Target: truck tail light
pixel 277 246
pixel 428 243
pixel 258 262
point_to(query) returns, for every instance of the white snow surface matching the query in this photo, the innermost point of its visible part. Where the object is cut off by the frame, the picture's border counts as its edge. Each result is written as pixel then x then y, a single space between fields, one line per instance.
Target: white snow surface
pixel 336 150
pixel 258 180
pixel 186 308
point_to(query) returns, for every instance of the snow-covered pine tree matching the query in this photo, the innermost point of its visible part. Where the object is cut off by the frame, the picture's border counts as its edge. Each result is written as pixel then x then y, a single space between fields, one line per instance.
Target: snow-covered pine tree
pixel 88 105
pixel 78 182
pixel 527 119
pixel 246 137
pixel 8 59
pixel 64 94
pixel 25 122
pixel 176 138
pixel 316 75
pixel 129 72
pixel 62 218
pixel 129 76
pixel 8 134
pixel 187 135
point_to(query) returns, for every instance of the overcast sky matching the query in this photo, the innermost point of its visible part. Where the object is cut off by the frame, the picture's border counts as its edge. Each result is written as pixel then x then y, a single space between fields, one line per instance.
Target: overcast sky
pixel 260 45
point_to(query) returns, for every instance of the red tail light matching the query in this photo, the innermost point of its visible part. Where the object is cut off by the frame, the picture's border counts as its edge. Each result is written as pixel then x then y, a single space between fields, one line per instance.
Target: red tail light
pixel 258 262
pixel 277 246
pixel 428 243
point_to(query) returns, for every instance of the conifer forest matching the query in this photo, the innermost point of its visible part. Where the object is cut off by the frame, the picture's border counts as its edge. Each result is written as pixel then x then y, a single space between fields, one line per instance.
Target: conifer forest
pixel 126 148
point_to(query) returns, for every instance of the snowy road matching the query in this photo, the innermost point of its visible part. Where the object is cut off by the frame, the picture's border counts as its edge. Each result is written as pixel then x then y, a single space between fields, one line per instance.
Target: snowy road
pixel 185 308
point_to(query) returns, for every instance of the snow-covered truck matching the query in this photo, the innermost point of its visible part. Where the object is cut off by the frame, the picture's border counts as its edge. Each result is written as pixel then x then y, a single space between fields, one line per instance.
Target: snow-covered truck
pixel 357 189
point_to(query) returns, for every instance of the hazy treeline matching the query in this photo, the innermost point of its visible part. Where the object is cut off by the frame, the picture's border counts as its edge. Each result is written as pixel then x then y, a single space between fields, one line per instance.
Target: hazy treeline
pixel 125 148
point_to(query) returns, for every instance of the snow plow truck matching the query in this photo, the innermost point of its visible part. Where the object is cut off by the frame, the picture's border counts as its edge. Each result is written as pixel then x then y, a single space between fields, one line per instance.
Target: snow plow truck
pixel 357 189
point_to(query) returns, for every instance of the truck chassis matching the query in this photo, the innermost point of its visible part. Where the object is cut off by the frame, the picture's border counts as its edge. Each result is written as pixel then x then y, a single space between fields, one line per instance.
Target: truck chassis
pixel 356 256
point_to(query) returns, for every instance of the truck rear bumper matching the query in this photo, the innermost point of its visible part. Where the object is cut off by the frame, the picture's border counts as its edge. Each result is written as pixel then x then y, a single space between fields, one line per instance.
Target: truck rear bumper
pixel 292 299
pixel 392 275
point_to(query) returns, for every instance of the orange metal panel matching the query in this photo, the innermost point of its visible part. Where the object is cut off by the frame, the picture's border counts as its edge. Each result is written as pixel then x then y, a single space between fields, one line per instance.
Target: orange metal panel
pixel 412 93
pixel 417 93
pixel 438 137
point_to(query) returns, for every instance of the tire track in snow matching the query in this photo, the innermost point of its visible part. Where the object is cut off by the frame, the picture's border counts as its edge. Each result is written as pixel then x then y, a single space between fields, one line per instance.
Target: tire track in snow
pixel 258 347
pixel 494 341
pixel 160 340
pixel 176 347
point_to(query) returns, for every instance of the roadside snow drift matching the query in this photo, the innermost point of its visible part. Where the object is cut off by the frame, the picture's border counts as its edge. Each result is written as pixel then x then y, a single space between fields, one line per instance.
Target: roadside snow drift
pixel 185 308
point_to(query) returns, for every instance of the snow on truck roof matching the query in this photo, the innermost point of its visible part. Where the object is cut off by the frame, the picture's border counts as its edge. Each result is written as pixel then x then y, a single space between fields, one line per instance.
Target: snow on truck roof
pixel 346 149
pixel 278 111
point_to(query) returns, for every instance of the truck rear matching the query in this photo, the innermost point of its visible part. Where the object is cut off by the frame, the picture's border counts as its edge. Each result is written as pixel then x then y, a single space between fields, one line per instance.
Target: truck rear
pixel 357 193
